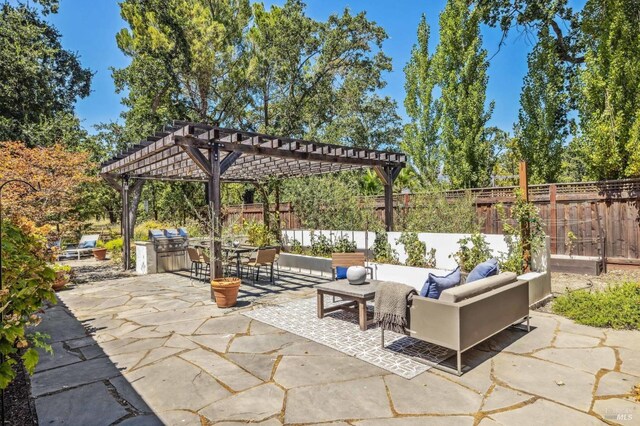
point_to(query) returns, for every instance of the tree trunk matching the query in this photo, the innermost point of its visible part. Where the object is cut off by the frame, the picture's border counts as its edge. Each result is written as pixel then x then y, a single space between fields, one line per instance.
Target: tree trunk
pixel 277 227
pixel 112 217
pixel 264 194
pixel 135 192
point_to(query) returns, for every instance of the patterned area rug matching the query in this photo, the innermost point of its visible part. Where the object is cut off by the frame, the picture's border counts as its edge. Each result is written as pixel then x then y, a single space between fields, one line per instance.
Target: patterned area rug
pixel 339 330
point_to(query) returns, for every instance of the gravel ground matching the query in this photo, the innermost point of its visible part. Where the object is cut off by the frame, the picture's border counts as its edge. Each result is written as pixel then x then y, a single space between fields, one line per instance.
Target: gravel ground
pixel 91 270
pixel 19 409
pixel 561 281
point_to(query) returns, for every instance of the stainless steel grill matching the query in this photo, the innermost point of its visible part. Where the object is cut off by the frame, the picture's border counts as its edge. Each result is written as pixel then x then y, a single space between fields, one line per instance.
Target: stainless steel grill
pixel 170 246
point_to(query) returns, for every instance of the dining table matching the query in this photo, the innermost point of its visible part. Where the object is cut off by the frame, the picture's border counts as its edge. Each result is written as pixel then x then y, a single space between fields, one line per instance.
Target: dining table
pixel 234 250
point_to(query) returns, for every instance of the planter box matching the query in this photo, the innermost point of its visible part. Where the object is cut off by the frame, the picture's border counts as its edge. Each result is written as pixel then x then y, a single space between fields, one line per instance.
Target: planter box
pixel 304 263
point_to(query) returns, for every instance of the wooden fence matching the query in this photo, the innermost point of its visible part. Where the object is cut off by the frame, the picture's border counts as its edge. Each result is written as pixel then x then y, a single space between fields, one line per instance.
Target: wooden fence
pixel 603 217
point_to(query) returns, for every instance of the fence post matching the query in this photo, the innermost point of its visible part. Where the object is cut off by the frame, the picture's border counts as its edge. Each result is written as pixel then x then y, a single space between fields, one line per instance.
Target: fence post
pixel 525 228
pixel 553 218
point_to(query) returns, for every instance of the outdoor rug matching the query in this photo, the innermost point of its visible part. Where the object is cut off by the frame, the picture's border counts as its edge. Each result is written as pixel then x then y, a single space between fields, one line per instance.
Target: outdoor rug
pixel 339 330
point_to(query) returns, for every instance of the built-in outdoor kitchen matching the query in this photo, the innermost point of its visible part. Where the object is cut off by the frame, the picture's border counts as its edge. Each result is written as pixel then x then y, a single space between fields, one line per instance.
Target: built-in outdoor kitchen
pixel 166 251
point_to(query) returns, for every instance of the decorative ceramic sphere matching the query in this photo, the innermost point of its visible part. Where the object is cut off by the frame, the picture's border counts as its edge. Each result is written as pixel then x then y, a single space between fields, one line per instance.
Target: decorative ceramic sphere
pixel 356 275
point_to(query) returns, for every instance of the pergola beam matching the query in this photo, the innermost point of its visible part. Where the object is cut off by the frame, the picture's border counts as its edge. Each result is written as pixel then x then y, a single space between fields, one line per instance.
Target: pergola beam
pixel 197 157
pixel 291 150
pixel 229 161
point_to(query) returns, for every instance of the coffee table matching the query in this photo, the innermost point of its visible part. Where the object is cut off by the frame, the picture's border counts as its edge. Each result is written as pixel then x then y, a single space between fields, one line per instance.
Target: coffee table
pixel 356 295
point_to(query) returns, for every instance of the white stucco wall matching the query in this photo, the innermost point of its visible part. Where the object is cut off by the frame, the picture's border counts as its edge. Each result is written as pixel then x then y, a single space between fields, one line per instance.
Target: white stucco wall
pixel 445 244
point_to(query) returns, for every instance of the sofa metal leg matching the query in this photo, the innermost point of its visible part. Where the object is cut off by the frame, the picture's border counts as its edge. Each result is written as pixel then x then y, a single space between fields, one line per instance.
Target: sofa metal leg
pixel 459 362
pixel 382 337
pixel 528 326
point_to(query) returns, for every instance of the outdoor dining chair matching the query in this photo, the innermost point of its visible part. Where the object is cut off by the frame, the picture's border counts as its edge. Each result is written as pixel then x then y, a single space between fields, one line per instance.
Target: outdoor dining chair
pixel 206 262
pixel 344 260
pixel 263 257
pixel 197 263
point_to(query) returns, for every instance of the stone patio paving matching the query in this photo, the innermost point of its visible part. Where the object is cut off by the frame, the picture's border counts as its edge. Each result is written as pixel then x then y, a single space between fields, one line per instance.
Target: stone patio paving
pixel 142 350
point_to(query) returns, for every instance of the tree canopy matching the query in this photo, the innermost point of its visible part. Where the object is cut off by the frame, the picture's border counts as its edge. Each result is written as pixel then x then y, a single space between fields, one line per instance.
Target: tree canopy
pixel 543 121
pixel 421 142
pixel 40 81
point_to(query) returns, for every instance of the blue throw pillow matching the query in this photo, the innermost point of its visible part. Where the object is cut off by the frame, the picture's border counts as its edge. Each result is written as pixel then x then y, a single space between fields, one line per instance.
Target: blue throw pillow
pixel 437 284
pixel 87 244
pixel 483 270
pixel 341 272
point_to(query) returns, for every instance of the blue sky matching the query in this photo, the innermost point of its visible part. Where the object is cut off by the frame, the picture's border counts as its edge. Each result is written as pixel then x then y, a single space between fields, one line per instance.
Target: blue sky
pixel 89 28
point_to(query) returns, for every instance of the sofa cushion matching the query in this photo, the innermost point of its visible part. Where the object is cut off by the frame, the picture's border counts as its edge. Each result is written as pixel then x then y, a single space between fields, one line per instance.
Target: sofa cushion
pixel 477 288
pixel 483 270
pixel 341 272
pixel 87 244
pixel 437 284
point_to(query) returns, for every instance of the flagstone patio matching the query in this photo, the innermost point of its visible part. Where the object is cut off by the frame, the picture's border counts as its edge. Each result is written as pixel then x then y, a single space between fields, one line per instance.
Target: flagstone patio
pixel 151 349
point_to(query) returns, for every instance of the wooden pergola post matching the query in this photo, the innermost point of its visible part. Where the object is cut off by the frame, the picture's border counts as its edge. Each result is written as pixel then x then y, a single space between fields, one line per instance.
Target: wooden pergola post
pixel 525 227
pixel 126 236
pixel 553 217
pixel 215 238
pixel 388 175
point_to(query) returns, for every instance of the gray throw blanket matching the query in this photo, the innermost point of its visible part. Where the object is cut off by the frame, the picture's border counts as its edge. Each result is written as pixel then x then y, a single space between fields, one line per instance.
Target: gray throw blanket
pixel 391 304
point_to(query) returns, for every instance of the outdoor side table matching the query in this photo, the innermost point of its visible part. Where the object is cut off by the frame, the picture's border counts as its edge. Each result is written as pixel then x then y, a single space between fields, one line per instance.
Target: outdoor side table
pixel 356 296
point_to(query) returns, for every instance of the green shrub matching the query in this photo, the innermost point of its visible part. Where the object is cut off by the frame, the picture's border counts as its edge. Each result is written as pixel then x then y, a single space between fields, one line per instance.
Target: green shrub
pixel 259 235
pixel 523 215
pixel 195 229
pixel 434 212
pixel 296 247
pixel 416 250
pixel 26 281
pixel 473 251
pixel 382 251
pixel 344 245
pixel 114 245
pixel 320 246
pixel 431 258
pixel 141 231
pixel 618 306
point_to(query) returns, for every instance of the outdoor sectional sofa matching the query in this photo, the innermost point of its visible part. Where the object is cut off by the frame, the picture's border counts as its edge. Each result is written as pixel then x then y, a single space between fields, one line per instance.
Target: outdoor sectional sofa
pixel 466 315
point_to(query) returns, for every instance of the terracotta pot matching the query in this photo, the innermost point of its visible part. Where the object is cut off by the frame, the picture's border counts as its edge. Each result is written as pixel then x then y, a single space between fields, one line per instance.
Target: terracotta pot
pixel 61 280
pixel 225 291
pixel 100 253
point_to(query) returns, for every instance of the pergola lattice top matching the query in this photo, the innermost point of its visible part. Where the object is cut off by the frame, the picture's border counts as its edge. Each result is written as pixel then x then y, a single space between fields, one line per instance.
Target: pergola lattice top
pixel 180 152
pixel 193 151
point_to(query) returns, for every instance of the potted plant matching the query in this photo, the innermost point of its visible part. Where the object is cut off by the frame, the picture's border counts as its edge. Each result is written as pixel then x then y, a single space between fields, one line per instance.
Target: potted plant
pixel 100 252
pixel 63 276
pixel 225 291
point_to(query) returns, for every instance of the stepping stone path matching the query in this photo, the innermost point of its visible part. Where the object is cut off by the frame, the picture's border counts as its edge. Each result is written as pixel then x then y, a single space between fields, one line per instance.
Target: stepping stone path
pixel 154 349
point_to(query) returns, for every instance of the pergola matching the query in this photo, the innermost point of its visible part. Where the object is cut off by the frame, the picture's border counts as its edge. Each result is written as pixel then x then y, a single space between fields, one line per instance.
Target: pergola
pixel 189 151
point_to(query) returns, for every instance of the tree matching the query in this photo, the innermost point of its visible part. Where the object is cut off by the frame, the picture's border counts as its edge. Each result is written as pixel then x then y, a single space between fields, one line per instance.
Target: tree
pixel 609 104
pixel 543 123
pixel 39 80
pixel 315 79
pixel 60 175
pixel 461 71
pixel 421 141
pixel 329 202
pixel 188 61
pixel 532 16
